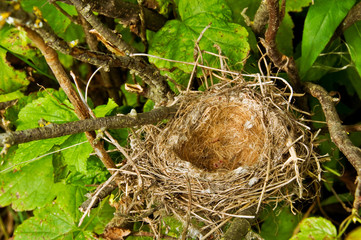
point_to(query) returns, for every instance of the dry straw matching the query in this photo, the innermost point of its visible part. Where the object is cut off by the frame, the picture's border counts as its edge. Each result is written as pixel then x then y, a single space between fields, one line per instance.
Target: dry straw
pixel 234 146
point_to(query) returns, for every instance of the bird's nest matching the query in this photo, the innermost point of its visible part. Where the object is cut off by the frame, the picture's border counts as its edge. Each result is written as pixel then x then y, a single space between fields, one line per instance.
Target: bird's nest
pixel 235 146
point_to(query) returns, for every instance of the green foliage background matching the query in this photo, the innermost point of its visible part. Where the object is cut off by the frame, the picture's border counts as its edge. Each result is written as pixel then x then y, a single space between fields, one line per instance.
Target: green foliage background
pixel 51 177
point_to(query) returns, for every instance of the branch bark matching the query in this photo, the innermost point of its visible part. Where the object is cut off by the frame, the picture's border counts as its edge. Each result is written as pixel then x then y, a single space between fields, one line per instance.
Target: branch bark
pixel 280 60
pixel 338 134
pixel 105 76
pixel 81 110
pixel 159 90
pixel 128 13
pixel 113 122
pixel 85 10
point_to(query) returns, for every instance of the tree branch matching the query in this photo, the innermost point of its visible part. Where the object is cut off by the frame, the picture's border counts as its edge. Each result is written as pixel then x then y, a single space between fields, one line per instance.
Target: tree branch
pixel 159 90
pixel 105 76
pixel 85 10
pixel 128 13
pixel 113 122
pixel 280 60
pixel 338 134
pixel 81 110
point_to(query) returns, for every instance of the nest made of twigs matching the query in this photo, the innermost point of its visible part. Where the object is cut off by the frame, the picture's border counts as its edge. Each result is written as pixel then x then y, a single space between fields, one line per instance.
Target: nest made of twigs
pixel 229 148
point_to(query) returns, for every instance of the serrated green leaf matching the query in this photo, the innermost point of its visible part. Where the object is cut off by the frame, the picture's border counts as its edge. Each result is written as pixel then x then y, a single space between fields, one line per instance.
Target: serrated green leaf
pixel 103 110
pixel 279 224
pixel 27 152
pixel 78 155
pixel 50 222
pixel 316 228
pixel 11 113
pixel 321 21
pixel 176 40
pixel 52 108
pixel 353 39
pixel 59 219
pixel 30 187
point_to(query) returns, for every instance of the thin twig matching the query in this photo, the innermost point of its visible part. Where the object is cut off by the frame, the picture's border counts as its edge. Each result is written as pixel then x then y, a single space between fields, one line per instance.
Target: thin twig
pixel 81 110
pixel 95 197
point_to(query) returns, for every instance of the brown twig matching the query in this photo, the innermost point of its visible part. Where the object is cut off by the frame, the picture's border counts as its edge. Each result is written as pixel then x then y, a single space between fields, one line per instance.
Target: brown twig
pixel 85 10
pixel 353 128
pixel 113 122
pixel 260 19
pixel 338 134
pixel 4 105
pixel 128 13
pixel 105 76
pixel 81 110
pixel 280 60
pixel 158 91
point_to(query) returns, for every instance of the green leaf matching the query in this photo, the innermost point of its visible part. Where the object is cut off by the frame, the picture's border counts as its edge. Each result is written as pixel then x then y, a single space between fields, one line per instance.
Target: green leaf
pixel 15 41
pixel 57 21
pixel 50 222
pixel 70 197
pixel 321 22
pixel 285 36
pixel 279 224
pixel 324 64
pixel 103 110
pixel 296 5
pixel 353 39
pixel 53 108
pixel 12 112
pixel 148 106
pixel 31 187
pixel 316 228
pixel 218 8
pixel 11 80
pixel 27 152
pixel 176 40
pixel 354 234
pixel 78 155
pixel 59 220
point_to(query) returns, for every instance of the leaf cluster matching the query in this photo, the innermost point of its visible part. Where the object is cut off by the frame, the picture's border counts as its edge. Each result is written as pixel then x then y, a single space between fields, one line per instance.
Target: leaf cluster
pixel 51 177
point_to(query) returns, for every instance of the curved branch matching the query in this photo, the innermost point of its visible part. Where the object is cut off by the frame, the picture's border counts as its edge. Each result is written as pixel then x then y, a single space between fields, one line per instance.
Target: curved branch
pixel 338 134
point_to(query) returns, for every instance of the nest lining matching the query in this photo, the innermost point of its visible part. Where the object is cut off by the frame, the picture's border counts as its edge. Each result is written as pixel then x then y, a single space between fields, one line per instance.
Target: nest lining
pixel 229 148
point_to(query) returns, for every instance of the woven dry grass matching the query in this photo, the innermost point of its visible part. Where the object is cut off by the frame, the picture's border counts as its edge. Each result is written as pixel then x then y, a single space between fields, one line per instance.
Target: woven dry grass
pixel 235 146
